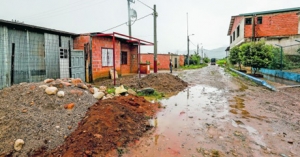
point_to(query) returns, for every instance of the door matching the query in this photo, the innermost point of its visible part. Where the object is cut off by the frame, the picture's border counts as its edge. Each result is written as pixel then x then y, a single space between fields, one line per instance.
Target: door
pixel 77 64
pixel 175 66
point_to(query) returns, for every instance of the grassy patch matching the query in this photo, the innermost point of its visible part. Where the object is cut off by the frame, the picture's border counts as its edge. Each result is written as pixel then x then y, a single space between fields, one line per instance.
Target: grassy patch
pixel 111 90
pixel 186 67
pixel 155 96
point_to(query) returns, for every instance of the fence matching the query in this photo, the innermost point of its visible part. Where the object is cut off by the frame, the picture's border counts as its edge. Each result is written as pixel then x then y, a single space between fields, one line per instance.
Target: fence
pixel 290 58
pixel 31 57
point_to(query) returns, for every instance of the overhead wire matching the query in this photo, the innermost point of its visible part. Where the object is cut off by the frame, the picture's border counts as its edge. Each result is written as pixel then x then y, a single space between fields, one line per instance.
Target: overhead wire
pixel 145 4
pixel 126 23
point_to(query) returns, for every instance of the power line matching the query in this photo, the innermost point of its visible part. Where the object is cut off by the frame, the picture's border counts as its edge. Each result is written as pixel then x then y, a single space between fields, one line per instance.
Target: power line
pixel 145 4
pixel 126 22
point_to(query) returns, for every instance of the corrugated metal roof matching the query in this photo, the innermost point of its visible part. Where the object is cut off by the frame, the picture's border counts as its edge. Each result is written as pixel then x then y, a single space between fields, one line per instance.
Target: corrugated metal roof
pixel 32 27
pixel 271 11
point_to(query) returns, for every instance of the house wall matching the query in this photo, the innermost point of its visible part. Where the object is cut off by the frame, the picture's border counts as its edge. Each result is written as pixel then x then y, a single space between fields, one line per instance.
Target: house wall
pixel 239 21
pixel 97 44
pixel 289 44
pixel 131 66
pixel 279 24
pixel 163 60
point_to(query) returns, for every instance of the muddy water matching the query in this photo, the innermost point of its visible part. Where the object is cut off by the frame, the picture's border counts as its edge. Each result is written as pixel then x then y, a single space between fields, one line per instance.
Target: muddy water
pixel 185 123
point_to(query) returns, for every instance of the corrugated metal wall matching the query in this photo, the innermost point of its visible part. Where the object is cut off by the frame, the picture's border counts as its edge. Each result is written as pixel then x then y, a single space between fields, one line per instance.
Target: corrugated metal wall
pixel 52 55
pixel 19 39
pixel 36 57
pixel 2 73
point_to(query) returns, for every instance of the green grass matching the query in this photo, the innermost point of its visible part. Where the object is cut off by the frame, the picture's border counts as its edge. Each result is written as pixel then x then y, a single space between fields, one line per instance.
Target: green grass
pixel 186 67
pixel 221 62
pixel 155 96
pixel 111 90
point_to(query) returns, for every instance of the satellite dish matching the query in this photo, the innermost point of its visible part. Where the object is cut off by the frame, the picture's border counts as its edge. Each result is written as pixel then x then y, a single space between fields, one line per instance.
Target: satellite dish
pixel 133 14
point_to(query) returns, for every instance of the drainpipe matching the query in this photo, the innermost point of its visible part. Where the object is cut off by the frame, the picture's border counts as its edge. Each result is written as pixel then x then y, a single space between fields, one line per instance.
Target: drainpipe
pixel 114 65
pixel 91 58
pixel 139 47
pixel 70 61
pixel 253 27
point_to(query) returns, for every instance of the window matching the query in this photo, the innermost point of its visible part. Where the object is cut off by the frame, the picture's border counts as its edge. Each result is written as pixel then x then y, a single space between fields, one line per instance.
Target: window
pixel 248 21
pixel 230 39
pixel 233 36
pixel 238 31
pixel 63 53
pixel 259 20
pixel 107 57
pixel 123 57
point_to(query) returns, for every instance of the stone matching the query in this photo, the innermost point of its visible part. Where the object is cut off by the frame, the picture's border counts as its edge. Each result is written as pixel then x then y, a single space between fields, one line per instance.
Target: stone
pixel 98 95
pixel 66 83
pixel 76 81
pixel 19 144
pixel 69 106
pixel 92 90
pixel 76 92
pixel 32 87
pixel 57 84
pixel 96 90
pixel 43 86
pixel 51 90
pixel 147 91
pixel 48 80
pixel 102 88
pixel 82 85
pixel 120 90
pixel 132 92
pixel 61 94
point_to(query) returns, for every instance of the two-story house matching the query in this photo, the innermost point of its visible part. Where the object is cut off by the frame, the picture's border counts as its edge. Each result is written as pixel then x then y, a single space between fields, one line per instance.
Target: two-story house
pixel 280 27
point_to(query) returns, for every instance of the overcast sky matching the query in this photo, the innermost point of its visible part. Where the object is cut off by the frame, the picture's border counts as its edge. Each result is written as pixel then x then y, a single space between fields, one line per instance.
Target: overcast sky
pixel 207 19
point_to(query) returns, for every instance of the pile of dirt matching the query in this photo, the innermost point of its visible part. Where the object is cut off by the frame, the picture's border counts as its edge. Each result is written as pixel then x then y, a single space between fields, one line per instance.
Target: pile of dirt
pixel 30 114
pixel 108 125
pixel 162 82
pixel 45 121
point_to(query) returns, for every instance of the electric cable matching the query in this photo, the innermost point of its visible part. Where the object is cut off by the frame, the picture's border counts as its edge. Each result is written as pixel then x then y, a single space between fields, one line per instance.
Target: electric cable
pixel 126 23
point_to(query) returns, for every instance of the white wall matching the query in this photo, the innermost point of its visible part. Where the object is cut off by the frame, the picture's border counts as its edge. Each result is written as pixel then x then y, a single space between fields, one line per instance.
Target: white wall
pixel 240 39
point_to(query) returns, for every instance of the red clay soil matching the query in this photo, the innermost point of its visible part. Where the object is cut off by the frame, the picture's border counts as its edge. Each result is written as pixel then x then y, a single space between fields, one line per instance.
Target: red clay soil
pixel 108 125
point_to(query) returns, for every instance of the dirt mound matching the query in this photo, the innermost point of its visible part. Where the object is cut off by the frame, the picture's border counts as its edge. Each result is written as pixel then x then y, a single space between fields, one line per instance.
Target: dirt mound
pixel 108 124
pixel 162 82
pixel 28 113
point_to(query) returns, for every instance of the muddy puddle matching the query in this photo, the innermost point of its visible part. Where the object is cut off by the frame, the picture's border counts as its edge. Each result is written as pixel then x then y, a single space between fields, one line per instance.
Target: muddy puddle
pixel 187 121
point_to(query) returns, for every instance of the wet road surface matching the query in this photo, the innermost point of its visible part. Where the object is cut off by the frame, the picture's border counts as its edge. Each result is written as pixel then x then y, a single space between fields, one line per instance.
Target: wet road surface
pixel 209 118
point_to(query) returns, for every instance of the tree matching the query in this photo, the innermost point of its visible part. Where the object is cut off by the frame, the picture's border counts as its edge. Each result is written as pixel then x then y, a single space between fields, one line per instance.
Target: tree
pixel 234 56
pixel 256 55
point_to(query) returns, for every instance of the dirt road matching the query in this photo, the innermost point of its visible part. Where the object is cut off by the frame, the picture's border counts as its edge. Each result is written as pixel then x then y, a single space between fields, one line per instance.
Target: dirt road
pixel 218 115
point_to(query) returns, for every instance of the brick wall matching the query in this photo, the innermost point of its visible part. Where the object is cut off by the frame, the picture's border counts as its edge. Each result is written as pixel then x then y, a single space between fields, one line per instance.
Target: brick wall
pixel 78 42
pixel 280 24
pixel 163 60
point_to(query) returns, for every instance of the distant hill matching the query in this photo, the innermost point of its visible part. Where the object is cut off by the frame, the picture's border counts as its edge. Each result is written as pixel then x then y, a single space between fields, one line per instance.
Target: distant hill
pixel 218 53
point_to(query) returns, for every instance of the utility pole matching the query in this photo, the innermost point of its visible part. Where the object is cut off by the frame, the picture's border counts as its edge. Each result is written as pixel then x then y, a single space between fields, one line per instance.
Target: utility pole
pixel 129 18
pixel 188 40
pixel 155 39
pixel 198 50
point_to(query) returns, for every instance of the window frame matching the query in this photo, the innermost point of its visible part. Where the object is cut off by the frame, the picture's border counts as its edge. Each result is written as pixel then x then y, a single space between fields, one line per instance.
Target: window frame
pixel 247 21
pixel 233 36
pixel 259 20
pixel 238 31
pixel 108 53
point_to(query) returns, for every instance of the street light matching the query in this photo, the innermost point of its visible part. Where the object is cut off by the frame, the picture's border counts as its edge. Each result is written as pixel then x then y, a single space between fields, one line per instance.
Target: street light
pixel 280 56
pixel 188 48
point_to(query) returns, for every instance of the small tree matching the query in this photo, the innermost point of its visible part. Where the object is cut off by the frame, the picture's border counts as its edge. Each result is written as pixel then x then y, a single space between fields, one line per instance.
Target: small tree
pixel 234 56
pixel 256 55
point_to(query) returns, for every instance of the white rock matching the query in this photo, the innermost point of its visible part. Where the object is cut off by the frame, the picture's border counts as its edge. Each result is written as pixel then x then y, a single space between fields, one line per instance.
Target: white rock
pixel 96 90
pixel 51 90
pixel 57 127
pixel 132 92
pixel 102 88
pixel 43 86
pixel 48 80
pixel 61 94
pixel 98 95
pixel 18 144
pixel 120 90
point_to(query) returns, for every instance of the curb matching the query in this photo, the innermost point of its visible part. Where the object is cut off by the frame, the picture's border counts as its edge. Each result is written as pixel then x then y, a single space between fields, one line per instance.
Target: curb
pixel 256 80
